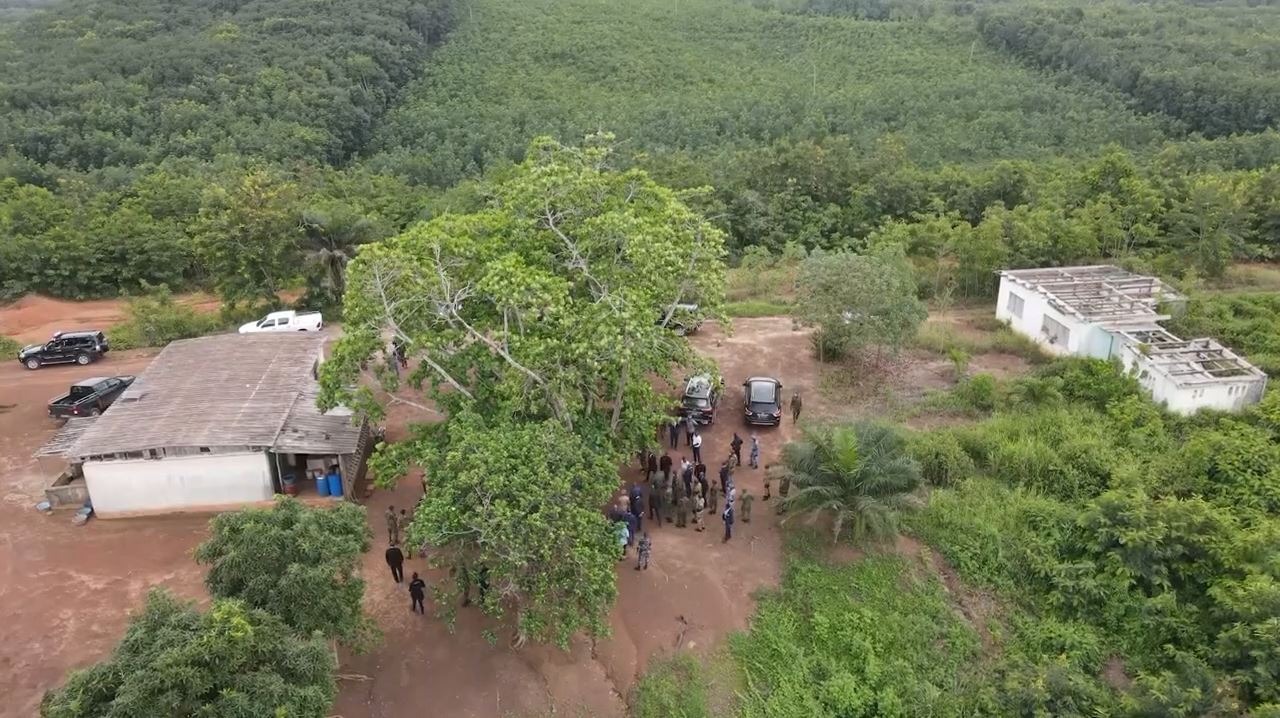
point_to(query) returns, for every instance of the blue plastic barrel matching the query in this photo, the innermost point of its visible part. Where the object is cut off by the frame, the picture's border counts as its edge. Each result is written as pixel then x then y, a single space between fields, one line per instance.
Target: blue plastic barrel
pixel 335 485
pixel 322 484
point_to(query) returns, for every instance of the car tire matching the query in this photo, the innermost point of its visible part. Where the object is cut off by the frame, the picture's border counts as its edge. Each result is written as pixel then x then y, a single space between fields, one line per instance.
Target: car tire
pixel 95 411
pixel 32 363
pixel 83 359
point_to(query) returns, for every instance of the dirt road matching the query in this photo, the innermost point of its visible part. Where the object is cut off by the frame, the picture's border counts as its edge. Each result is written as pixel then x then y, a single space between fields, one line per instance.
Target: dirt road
pixel 66 591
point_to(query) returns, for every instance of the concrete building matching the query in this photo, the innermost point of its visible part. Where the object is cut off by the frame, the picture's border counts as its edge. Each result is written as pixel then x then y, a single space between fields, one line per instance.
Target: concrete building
pixel 1105 312
pixel 215 423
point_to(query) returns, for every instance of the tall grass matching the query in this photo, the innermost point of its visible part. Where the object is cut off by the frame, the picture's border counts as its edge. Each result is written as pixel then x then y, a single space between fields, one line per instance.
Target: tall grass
pixel 999 338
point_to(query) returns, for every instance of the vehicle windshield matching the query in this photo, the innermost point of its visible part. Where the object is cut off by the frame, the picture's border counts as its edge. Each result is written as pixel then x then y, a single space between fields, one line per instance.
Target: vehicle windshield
pixel 762 392
pixel 697 402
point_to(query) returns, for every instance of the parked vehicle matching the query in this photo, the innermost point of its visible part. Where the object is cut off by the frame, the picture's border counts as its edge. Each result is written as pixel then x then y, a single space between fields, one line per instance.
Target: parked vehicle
pixel 89 397
pixel 763 400
pixel 65 348
pixel 685 319
pixel 286 321
pixel 701 395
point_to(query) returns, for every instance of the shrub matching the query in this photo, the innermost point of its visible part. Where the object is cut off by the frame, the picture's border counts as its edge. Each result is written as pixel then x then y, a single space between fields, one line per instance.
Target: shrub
pixel 977 393
pixel 9 346
pixel 942 460
pixel 155 319
pixel 672 688
pixel 1095 382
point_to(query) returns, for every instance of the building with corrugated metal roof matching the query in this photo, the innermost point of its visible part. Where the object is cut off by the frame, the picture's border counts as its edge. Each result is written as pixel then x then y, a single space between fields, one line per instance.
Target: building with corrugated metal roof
pixel 218 422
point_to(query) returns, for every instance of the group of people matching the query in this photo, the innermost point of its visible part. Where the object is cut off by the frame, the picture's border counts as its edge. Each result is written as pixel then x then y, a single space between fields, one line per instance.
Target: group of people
pixel 683 495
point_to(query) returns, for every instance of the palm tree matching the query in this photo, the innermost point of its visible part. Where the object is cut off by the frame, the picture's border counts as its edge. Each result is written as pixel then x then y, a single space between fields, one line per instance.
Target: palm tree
pixel 331 239
pixel 859 474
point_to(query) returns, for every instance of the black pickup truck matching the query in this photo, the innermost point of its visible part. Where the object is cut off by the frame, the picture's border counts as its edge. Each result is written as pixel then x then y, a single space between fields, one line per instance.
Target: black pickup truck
pixel 89 397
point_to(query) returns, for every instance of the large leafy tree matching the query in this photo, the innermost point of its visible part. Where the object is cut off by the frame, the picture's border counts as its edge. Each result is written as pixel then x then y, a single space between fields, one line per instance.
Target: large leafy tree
pixel 295 561
pixel 859 300
pixel 521 502
pixel 858 475
pixel 175 661
pixel 543 317
pixel 248 237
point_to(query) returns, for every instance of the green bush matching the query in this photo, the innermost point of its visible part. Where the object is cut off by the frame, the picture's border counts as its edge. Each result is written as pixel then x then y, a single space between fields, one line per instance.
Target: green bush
pixel 942 460
pixel 9 347
pixel 155 319
pixel 976 393
pixel 672 687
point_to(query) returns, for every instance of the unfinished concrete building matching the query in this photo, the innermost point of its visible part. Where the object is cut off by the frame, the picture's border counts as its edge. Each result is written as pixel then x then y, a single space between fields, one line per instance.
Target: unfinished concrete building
pixel 1104 311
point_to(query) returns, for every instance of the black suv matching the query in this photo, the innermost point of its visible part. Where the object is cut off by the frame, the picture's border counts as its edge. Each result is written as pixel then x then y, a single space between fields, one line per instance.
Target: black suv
pixel 700 398
pixel 65 348
pixel 763 400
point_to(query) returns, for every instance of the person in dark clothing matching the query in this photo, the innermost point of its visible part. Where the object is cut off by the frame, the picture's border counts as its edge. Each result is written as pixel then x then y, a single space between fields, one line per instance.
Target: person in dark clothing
pixel 728 522
pixel 665 466
pixel 395 559
pixel 633 526
pixel 636 497
pixel 796 405
pixel 724 478
pixel 397 348
pixel 483 582
pixel 655 505
pixel 736 447
pixel 702 486
pixel 690 428
pixel 687 477
pixel 417 592
pixel 652 466
pixel 673 431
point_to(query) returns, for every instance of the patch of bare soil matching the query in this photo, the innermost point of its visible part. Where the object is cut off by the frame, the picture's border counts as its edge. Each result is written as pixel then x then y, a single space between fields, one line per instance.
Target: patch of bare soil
pixel 1114 675
pixel 35 318
pixel 999 365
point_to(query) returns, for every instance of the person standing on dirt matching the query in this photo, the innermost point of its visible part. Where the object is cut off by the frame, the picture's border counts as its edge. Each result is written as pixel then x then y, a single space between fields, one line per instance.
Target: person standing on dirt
pixel 417 592
pixel 655 498
pixel 682 512
pixel 702 486
pixel 727 516
pixel 724 477
pixel 652 466
pixel 713 498
pixel 755 450
pixel 395 559
pixel 699 506
pixel 796 405
pixel 784 488
pixel 636 500
pixel 393 526
pixel 665 465
pixel 397 349
pixel 690 430
pixel 643 551
pixel 745 503
pixel 696 442
pixel 673 431
pixel 768 482
pixel 402 523
pixel 736 446
pixel 687 477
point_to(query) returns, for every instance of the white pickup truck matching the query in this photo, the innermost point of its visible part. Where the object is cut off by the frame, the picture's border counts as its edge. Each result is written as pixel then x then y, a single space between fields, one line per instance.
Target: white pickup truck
pixel 287 321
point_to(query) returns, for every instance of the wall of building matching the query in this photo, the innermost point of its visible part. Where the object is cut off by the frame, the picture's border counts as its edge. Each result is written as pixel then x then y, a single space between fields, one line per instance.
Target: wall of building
pixel 1030 320
pixel 1187 399
pixel 177 483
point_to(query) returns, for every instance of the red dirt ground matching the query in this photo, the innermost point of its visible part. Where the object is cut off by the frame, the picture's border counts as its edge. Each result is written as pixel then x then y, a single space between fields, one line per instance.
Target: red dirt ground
pixel 66 591
pixel 34 318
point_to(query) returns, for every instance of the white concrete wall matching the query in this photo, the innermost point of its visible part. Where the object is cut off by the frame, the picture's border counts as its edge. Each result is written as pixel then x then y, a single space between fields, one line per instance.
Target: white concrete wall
pixel 1034 309
pixel 1187 399
pixel 178 483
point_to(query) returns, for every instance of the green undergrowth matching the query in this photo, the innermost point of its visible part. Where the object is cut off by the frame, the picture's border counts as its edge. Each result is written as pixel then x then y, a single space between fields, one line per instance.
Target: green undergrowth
pixel 987 338
pixel 757 308
pixel 9 346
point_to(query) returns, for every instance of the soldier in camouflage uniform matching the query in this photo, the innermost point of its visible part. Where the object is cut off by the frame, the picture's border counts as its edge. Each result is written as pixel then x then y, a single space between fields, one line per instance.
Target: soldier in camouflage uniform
pixel 713 498
pixel 784 488
pixel 682 512
pixel 745 503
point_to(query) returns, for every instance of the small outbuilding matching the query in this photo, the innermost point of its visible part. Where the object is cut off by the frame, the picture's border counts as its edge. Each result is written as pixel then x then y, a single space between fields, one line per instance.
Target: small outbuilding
pixel 215 423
